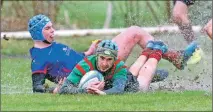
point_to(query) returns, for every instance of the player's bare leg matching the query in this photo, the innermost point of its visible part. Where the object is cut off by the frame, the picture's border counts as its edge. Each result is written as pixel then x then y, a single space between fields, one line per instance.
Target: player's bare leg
pixel 208 28
pixel 146 73
pixel 180 17
pixel 129 38
pixel 149 59
pixel 135 68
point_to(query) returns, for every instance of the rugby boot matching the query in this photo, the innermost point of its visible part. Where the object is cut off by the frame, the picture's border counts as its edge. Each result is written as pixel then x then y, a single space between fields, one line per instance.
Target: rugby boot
pixel 160 75
pixel 179 58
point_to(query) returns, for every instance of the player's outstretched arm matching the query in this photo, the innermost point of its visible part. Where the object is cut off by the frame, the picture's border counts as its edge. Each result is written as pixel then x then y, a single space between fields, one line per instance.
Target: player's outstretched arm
pixel 69 88
pixel 38 81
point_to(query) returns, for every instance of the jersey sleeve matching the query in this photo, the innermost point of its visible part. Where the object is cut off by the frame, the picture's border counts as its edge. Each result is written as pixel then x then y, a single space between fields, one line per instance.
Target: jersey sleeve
pixel 118 86
pixel 119 80
pixel 77 73
pixel 120 72
pixel 38 64
pixel 73 52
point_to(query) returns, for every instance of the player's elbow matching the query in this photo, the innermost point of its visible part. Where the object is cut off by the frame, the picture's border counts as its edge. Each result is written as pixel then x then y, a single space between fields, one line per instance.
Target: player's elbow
pixel 134 28
pixel 38 88
pixel 115 90
pixel 120 90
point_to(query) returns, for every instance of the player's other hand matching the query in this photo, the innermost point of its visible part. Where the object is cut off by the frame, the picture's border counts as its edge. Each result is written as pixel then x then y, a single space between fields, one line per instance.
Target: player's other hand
pixel 97 85
pixel 58 87
pixel 96 91
pixel 92 47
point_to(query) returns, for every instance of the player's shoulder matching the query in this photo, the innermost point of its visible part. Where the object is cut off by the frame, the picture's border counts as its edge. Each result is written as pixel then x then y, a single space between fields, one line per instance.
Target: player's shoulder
pixel 87 59
pixel 57 44
pixel 120 62
pixel 91 57
pixel 34 51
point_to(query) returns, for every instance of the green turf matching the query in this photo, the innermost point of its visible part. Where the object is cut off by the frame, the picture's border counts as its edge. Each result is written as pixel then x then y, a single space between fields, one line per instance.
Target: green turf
pixel 156 101
pixel 15 75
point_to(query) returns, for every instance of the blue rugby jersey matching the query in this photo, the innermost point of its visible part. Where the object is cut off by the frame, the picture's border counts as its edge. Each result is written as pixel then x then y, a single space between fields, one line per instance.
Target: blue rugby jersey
pixel 57 60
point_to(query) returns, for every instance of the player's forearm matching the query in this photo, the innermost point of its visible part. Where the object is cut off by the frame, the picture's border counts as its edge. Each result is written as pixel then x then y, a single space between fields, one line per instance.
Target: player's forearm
pixel 69 88
pixel 114 90
pixel 39 88
pixel 38 81
pixel 118 87
pixel 86 53
pixel 92 48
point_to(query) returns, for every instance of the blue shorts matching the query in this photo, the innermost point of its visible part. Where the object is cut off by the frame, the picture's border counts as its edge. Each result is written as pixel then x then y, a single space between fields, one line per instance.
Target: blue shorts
pixel 187 2
pixel 132 83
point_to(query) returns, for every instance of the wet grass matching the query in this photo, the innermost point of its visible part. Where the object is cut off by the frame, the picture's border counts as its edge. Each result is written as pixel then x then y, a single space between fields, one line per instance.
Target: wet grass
pixel 16 75
pixel 16 95
pixel 16 83
pixel 156 101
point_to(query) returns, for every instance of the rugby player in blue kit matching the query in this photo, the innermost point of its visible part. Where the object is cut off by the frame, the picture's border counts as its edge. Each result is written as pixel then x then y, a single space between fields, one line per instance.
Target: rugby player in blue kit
pixel 50 60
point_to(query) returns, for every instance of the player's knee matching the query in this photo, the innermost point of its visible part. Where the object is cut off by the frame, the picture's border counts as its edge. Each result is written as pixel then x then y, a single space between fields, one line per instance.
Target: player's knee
pixel 134 28
pixel 137 31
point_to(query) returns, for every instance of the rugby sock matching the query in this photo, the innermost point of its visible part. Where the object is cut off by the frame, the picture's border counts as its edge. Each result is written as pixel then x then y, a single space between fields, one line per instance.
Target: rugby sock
pixel 146 52
pixel 171 55
pixel 174 57
pixel 157 54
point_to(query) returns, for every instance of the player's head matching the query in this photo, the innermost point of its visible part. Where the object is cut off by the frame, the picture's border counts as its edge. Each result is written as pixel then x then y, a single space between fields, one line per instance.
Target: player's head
pixel 41 29
pixel 106 55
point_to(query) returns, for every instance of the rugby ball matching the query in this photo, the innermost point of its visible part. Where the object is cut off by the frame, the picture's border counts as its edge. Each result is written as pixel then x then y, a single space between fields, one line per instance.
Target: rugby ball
pixel 89 77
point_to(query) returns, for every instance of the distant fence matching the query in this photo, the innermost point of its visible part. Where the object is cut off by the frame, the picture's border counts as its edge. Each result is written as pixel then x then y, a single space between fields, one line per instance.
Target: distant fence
pixel 96 32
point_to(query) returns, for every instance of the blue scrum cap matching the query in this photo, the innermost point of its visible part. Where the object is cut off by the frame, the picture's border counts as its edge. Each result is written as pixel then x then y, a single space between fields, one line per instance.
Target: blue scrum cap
pixel 36 25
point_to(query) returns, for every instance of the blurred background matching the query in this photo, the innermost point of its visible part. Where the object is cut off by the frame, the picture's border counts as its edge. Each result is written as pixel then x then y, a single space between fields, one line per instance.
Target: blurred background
pixel 97 14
